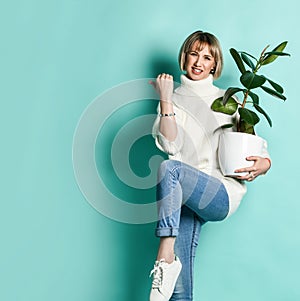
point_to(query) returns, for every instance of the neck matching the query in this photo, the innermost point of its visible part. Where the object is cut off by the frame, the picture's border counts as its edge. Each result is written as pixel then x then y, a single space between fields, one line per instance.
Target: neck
pixel 203 87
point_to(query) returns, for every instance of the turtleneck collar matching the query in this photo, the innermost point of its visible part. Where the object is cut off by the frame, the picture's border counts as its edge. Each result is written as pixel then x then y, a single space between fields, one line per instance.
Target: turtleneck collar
pixel 202 87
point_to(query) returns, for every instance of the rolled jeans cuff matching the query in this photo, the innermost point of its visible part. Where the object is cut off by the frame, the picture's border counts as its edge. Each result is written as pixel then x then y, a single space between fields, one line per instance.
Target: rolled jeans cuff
pixel 166 232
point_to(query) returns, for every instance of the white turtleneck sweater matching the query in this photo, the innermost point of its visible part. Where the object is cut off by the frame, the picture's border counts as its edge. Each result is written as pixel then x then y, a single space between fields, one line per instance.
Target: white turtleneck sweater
pixel 198 132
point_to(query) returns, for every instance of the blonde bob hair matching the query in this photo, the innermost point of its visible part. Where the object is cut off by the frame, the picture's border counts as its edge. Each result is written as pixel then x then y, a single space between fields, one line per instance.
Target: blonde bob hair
pixel 204 38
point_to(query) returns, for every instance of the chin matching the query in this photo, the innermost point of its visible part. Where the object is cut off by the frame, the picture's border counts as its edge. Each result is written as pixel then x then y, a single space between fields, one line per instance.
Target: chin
pixel 194 77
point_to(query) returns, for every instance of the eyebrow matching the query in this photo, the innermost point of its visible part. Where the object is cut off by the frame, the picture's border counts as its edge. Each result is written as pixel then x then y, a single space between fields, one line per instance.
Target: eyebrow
pixel 199 52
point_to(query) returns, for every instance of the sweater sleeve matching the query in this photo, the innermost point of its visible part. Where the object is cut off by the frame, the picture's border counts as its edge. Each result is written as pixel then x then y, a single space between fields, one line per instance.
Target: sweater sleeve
pixel 169 147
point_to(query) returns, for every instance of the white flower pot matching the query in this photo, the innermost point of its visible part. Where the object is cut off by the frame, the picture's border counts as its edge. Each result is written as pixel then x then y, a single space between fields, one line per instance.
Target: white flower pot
pixel 234 147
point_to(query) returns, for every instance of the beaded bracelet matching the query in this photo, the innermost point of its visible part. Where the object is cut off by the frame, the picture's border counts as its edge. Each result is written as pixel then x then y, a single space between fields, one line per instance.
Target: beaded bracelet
pixel 167 115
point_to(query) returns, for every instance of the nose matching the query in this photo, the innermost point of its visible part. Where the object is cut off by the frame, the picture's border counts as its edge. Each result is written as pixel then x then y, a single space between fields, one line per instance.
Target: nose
pixel 198 61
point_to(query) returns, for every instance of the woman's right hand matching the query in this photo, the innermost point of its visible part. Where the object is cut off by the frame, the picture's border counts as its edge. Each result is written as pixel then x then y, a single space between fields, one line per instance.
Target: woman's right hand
pixel 164 86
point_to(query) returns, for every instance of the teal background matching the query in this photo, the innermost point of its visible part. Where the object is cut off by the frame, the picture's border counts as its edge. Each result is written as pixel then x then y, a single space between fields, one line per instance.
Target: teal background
pixel 56 57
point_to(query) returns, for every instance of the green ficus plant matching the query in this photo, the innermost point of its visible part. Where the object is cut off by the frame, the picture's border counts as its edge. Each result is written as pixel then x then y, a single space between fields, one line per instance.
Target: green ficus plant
pixel 250 80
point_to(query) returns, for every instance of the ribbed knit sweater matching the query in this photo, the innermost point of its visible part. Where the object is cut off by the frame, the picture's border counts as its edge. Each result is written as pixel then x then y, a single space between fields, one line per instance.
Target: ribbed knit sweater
pixel 198 132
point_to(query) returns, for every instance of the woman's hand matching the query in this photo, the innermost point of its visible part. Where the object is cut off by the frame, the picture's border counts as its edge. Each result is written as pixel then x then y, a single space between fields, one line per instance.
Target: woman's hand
pixel 260 166
pixel 164 86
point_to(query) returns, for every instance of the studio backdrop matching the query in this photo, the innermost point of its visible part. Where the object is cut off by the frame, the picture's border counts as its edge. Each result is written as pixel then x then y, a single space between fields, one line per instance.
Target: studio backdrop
pixel 78 163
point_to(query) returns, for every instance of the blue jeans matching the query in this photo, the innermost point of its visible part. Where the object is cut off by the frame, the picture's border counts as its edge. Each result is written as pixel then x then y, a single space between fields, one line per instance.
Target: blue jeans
pixel 187 198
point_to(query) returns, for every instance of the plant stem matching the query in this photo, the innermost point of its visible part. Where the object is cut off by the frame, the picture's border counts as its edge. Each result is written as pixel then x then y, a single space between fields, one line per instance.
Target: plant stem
pixel 245 98
pixel 258 65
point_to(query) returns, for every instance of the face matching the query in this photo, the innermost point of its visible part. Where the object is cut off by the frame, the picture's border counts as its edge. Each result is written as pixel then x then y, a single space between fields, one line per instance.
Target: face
pixel 199 62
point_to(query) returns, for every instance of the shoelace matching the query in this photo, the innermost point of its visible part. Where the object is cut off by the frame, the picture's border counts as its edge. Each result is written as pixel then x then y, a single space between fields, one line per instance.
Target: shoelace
pixel 157 273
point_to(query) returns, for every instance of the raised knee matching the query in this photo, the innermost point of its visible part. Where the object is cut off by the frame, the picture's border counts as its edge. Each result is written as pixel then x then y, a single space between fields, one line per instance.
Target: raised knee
pixel 169 167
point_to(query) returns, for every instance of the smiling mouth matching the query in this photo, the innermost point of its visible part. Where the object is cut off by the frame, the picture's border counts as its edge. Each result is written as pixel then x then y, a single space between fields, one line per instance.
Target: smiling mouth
pixel 196 71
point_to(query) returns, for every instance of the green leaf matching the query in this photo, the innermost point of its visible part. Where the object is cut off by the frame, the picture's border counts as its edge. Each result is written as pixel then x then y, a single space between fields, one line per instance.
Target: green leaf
pixel 254 97
pixel 229 108
pixel 269 57
pixel 244 127
pixel 249 116
pixel 251 80
pixel 237 60
pixel 246 59
pixel 250 55
pixel 260 110
pixel 273 92
pixel 276 86
pixel 227 126
pixel 278 53
pixel 229 92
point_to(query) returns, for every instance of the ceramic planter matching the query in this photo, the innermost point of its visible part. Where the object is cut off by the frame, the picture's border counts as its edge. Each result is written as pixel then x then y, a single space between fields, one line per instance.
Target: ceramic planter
pixel 234 147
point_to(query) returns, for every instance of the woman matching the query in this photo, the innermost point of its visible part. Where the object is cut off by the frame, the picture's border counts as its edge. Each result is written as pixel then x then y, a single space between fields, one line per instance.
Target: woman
pixel 191 189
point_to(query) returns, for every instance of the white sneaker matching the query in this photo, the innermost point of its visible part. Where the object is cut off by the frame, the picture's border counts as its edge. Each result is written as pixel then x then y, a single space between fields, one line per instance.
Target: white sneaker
pixel 164 279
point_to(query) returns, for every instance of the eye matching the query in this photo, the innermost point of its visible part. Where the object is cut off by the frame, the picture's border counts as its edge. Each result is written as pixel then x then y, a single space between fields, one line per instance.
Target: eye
pixel 209 58
pixel 193 53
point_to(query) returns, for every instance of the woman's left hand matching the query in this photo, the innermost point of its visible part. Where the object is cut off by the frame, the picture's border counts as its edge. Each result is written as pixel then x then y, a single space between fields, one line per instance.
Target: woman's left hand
pixel 260 166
